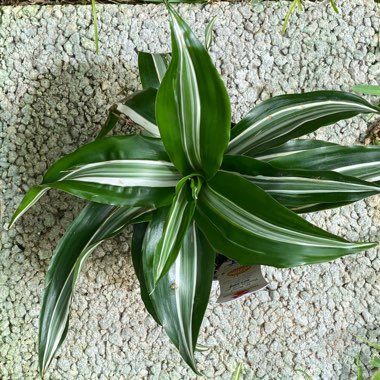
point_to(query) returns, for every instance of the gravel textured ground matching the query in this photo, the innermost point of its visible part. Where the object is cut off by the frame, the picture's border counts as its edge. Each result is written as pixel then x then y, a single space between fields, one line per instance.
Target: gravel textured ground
pixel 54 93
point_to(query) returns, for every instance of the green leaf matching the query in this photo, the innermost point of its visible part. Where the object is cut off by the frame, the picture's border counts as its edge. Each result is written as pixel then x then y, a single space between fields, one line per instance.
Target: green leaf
pixel 95 21
pixel 291 9
pixel 290 147
pixel 285 117
pixel 376 376
pixel 93 225
pixel 111 122
pixel 371 344
pixel 123 171
pixel 209 33
pixel 333 4
pixel 375 362
pixel 152 68
pixel 367 89
pixel 180 298
pixel 140 108
pixel 247 225
pixel 137 259
pixel 304 374
pixel 301 190
pixel 192 108
pixel 176 225
pixel 30 199
pixel 238 372
pixel 359 368
pixel 358 161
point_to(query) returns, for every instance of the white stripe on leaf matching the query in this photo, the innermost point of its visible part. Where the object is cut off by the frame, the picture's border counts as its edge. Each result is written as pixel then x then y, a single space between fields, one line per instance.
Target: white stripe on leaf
pixel 188 97
pixel 137 118
pixel 239 143
pixel 127 173
pixel 255 225
pixel 160 66
pixel 120 218
pixel 312 185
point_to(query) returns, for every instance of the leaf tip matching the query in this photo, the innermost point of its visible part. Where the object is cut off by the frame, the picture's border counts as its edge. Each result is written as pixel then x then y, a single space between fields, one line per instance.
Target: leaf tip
pixel 238 372
pixel 370 244
pixel 13 220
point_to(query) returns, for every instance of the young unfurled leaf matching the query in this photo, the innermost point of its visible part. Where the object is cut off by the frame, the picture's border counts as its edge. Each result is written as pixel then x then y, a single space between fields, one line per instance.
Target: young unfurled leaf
pixel 93 225
pixel 247 225
pixel 285 117
pixel 192 107
pixel 180 298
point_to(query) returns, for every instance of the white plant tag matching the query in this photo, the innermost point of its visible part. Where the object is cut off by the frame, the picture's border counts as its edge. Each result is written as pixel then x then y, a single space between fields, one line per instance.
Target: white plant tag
pixel 236 281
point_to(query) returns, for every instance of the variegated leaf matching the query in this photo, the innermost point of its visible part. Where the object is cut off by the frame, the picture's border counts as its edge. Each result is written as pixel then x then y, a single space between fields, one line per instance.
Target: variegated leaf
pixel 285 117
pixel 301 190
pixel 245 224
pixel 152 68
pixel 93 225
pixel 290 147
pixel 209 33
pixel 137 259
pixel 192 106
pixel 140 108
pixel 177 222
pixel 180 298
pixel 358 161
pixel 123 171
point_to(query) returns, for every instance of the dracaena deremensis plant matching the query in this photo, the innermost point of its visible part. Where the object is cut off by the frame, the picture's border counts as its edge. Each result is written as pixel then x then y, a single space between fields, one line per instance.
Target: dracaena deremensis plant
pixel 192 186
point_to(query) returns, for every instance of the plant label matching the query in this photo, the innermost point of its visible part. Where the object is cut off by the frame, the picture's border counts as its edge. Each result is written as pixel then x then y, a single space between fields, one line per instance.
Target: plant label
pixel 236 281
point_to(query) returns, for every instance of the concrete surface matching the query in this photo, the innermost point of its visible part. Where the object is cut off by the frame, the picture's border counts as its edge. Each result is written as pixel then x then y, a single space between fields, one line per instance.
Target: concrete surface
pixel 54 93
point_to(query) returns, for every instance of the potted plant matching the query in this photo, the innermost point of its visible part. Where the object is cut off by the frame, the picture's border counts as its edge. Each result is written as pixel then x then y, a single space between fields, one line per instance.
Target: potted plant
pixel 192 186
